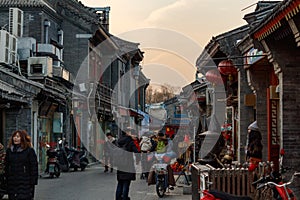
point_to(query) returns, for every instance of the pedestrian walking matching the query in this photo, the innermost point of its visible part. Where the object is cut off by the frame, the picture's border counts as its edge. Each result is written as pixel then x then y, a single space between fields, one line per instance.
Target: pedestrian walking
pixel 21 167
pixel 147 145
pixel 254 146
pixel 108 156
pixel 124 178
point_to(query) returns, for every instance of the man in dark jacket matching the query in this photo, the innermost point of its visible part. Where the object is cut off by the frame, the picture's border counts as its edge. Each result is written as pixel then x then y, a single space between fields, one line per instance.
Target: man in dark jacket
pixel 126 174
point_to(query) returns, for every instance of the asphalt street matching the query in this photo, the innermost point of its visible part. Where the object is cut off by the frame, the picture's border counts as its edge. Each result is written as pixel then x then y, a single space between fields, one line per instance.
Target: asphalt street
pixel 94 184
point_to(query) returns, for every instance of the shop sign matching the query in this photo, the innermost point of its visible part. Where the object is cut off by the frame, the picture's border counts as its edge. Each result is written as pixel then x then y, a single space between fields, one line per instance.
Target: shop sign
pixel 253 56
pixel 181 121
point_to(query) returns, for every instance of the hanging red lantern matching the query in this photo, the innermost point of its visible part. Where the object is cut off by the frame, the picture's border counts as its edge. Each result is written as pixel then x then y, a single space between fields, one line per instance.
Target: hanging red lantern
pixel 214 77
pixel 226 68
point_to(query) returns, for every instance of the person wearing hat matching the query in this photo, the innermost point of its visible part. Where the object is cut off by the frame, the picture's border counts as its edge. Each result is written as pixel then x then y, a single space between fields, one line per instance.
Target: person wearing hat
pixel 254 146
pixel 108 158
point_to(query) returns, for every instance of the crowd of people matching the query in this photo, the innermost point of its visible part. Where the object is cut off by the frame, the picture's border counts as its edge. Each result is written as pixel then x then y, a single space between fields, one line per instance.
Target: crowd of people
pixel 19 166
pixel 142 152
pixel 143 149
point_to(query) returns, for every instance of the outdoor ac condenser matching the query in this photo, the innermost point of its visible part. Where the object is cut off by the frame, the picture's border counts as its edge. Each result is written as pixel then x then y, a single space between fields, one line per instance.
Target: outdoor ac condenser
pixel 16 22
pixel 40 67
pixel 4 47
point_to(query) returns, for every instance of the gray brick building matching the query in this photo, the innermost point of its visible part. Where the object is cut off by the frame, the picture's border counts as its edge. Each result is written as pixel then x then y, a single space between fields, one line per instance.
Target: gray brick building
pixel 56 40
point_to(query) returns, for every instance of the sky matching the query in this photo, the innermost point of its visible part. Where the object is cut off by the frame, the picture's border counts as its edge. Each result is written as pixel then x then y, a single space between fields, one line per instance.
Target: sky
pixel 172 33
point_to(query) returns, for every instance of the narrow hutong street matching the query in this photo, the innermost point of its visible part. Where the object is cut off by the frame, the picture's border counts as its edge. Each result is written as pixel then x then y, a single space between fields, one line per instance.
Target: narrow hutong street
pixel 147 113
pixel 95 184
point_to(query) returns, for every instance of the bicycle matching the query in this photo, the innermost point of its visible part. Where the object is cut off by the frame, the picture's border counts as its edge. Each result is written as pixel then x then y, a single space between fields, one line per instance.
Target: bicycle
pixel 280 190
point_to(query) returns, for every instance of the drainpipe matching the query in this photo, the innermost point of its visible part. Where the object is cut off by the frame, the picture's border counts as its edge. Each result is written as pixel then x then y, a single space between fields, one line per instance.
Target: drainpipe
pixel 47 25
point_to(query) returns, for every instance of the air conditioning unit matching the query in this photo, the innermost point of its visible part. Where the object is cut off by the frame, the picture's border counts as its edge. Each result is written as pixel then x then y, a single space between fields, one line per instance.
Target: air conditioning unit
pixel 66 74
pixel 26 46
pixel 16 22
pixel 40 67
pixel 13 49
pixel 4 46
pixel 61 72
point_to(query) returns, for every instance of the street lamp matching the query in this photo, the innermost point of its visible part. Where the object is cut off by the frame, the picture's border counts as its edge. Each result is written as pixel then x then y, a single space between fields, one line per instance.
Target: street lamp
pixel 136 75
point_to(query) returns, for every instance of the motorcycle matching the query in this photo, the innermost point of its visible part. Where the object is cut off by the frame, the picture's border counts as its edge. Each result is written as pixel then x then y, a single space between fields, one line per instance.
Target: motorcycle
pixel 77 158
pixel 83 158
pixel 73 158
pixel 53 168
pixel 62 156
pixel 161 175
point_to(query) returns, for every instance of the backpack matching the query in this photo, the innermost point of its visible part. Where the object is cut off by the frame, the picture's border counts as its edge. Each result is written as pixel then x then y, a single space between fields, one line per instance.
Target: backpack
pixel 146 143
pixel 161 146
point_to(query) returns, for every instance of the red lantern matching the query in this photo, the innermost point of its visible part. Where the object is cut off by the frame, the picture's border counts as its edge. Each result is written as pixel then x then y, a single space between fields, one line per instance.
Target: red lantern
pixel 226 68
pixel 214 76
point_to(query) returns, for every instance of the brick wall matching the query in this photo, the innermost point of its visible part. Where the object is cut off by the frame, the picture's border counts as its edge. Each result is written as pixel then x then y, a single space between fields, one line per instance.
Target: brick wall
pixel 291 113
pixel 246 115
pixel 260 81
pixel 16 119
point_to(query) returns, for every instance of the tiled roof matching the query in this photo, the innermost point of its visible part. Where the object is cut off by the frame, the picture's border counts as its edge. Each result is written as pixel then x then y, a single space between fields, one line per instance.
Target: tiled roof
pixel 263 8
pixel 285 8
pixel 21 3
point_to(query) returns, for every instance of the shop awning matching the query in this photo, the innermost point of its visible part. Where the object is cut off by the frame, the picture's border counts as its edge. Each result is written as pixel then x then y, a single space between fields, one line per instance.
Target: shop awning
pixel 134 113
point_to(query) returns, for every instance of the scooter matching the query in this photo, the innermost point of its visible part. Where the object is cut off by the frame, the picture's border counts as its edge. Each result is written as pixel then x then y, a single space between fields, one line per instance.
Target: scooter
pixel 53 168
pixel 62 156
pixel 73 158
pixel 83 158
pixel 161 175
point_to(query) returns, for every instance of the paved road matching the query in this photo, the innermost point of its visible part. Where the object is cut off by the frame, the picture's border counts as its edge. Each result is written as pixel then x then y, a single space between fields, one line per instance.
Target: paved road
pixel 94 184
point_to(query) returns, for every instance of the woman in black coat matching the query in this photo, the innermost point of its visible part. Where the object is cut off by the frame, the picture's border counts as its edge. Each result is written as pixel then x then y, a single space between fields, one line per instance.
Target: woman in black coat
pixel 21 167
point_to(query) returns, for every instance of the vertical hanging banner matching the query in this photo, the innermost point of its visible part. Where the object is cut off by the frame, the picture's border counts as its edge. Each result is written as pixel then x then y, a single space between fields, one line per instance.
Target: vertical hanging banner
pixel 273 135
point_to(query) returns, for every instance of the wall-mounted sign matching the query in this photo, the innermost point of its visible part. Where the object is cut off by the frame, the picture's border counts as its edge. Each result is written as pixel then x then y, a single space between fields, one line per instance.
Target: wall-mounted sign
pixel 253 55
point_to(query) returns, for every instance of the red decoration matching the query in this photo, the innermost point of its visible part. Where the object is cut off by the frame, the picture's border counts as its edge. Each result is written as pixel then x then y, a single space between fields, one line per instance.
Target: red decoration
pixel 282 152
pixel 214 76
pixel 226 68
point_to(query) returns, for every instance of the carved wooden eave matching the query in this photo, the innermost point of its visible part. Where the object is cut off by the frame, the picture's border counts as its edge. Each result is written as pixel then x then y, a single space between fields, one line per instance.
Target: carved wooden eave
pixel 282 21
pixel 284 11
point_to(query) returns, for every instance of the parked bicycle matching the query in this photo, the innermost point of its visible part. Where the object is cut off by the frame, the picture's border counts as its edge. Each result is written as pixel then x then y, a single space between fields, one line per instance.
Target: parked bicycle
pixel 280 190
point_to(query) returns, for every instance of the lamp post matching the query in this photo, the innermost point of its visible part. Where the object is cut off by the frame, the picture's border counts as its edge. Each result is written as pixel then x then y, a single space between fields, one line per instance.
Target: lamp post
pixel 136 75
